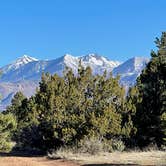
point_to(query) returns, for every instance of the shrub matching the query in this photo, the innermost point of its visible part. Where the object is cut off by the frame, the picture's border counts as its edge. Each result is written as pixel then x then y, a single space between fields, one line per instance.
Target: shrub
pixel 151 147
pixel 163 148
pixel 90 145
pixel 118 145
pixel 94 145
pixel 61 153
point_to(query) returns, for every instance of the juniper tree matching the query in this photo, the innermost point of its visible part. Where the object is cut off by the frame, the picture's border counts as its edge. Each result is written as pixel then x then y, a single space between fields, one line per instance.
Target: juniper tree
pixel 67 109
pixel 151 85
pixel 16 102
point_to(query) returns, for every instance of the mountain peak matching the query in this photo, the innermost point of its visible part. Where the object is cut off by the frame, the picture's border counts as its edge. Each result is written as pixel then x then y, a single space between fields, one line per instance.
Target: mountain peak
pixel 70 61
pixel 97 60
pixel 68 57
pixel 25 59
pixel 140 63
pixel 91 56
pixel 131 67
pixel 26 70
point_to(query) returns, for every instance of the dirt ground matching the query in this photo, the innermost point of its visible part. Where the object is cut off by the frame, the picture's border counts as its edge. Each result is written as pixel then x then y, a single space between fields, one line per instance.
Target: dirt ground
pixel 126 158
pixel 109 159
pixel 34 161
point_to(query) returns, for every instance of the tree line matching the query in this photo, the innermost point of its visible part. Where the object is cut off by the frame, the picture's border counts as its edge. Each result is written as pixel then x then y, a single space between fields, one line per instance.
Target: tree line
pixel 67 110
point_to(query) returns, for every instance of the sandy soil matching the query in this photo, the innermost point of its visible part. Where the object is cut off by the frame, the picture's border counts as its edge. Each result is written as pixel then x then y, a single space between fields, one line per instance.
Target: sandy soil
pixel 107 159
pixel 33 161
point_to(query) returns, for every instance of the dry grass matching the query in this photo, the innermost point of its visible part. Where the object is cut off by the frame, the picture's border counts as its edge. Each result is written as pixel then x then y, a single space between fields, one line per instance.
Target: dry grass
pixel 117 158
pixel 104 159
pixel 126 158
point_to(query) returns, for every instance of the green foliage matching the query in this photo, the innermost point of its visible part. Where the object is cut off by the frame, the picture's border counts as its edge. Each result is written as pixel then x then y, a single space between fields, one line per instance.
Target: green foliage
pixel 163 127
pixel 66 109
pixel 7 127
pixel 131 105
pixel 16 103
pixel 152 91
pixel 24 111
pixel 117 145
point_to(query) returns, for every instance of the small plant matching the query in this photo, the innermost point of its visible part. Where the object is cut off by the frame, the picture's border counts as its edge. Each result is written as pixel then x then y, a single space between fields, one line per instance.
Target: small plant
pixel 61 153
pixel 107 146
pixel 118 145
pixel 96 145
pixel 151 147
pixel 163 147
pixel 91 146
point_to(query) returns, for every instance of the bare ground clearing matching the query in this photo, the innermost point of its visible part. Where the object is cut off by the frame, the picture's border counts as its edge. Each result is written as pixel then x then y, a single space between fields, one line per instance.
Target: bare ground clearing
pixel 106 159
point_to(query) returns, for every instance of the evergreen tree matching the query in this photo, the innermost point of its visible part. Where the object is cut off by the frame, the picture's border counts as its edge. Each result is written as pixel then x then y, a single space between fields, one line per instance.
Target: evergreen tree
pixel 152 90
pixel 7 127
pixel 108 98
pixel 131 105
pixel 69 108
pixel 16 102
pixel 24 111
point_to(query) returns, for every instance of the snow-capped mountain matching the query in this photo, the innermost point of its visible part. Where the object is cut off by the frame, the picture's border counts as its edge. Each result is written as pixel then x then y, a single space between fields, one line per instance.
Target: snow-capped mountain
pixel 98 63
pixel 18 63
pixel 28 68
pixel 25 73
pixel 130 70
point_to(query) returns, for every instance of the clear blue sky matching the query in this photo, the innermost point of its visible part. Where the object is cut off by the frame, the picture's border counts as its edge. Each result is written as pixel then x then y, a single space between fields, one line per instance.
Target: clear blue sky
pixel 47 29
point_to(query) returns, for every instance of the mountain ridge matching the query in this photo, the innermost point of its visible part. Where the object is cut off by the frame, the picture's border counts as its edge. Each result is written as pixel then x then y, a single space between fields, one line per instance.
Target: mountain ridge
pixel 32 70
pixel 25 73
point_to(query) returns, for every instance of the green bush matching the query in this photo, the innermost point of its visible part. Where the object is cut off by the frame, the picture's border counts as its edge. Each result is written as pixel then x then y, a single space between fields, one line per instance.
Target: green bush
pixel 118 145
pixel 7 127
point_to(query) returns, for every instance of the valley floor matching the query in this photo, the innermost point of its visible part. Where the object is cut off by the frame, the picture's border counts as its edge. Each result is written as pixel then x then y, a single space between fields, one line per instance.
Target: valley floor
pixel 107 159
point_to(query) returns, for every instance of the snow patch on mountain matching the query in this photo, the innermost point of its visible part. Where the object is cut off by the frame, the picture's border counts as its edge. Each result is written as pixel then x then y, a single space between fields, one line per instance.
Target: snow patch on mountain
pixel 28 68
pixel 94 59
pixel 25 59
pixel 130 70
pixel 25 73
pixel 98 63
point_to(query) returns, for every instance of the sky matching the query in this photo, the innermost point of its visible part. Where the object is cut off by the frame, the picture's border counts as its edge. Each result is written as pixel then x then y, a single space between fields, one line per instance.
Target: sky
pixel 47 29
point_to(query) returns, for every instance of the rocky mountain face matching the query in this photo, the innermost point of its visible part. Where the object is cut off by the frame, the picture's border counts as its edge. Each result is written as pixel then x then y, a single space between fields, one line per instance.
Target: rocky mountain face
pixel 25 73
